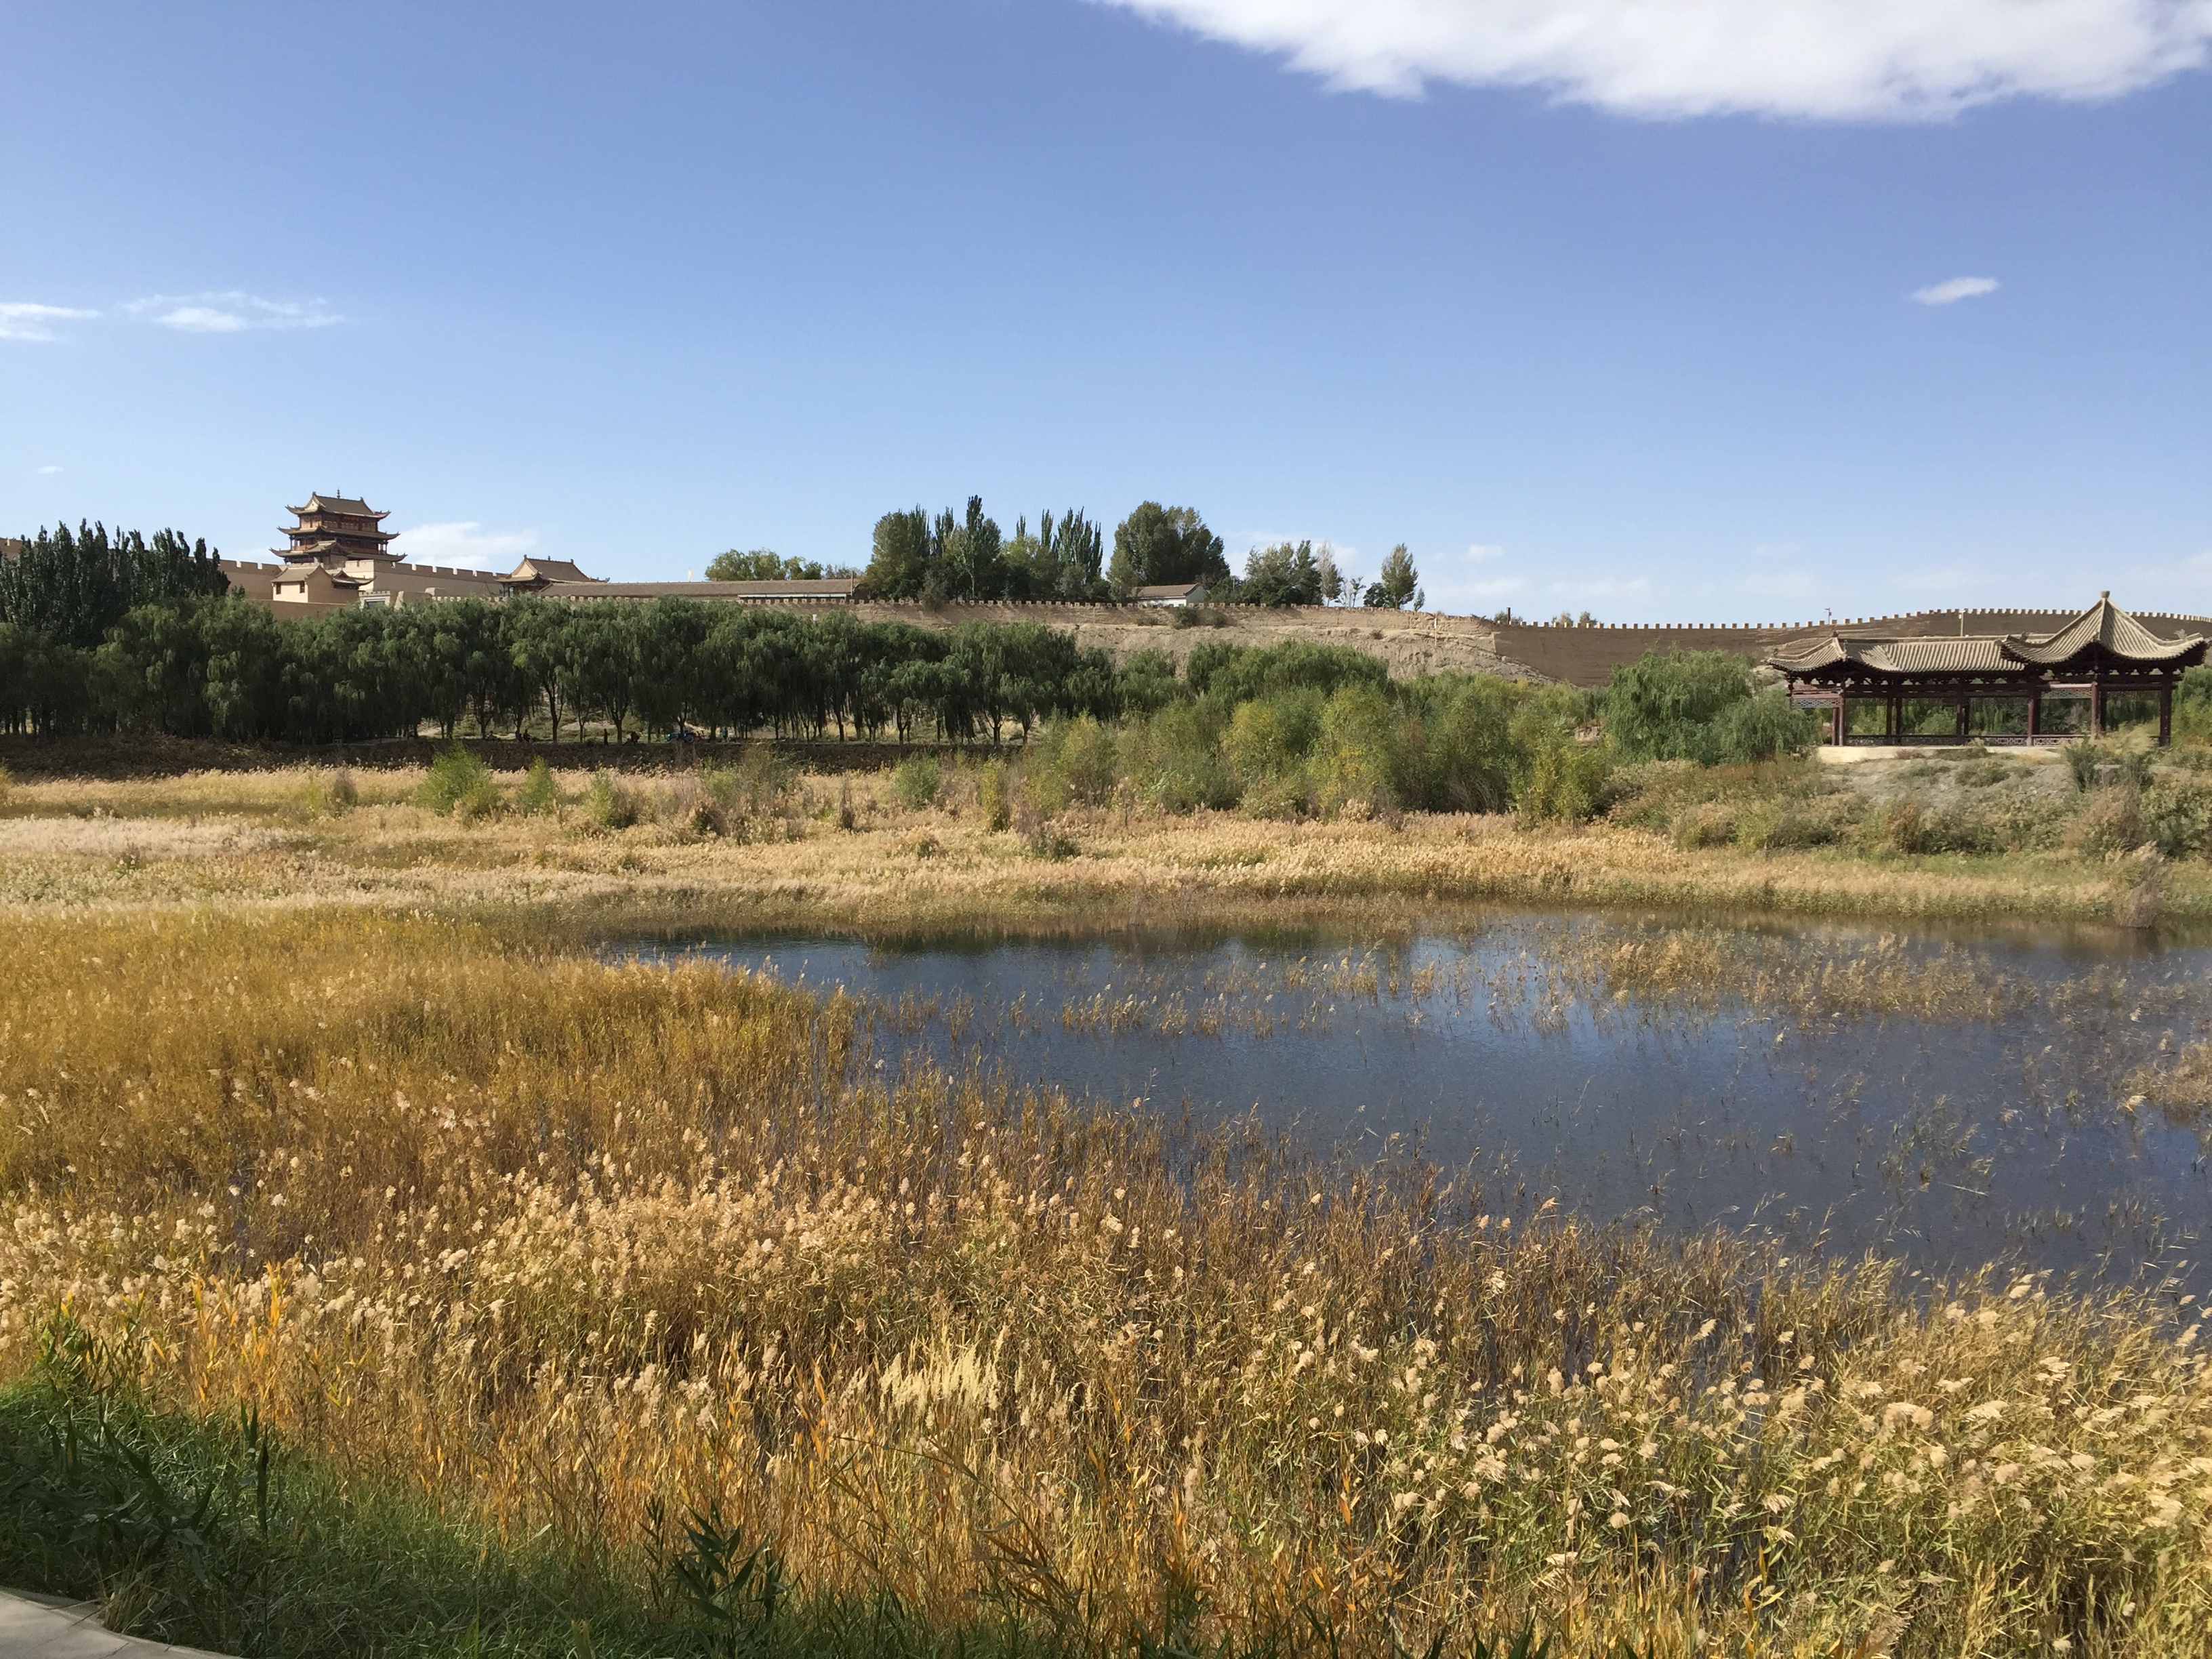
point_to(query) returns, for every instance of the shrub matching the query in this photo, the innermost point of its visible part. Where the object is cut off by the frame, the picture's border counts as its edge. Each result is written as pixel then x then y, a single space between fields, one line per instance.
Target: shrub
pixel 610 804
pixel 7 782
pixel 916 781
pixel 1284 797
pixel 2111 821
pixel 1046 844
pixel 1568 782
pixel 1148 682
pixel 2177 815
pixel 1707 823
pixel 2142 890
pixel 994 796
pixel 1667 705
pixel 1085 759
pixel 1358 752
pixel 1763 728
pixel 1468 759
pixel 2100 765
pixel 325 794
pixel 1269 739
pixel 459 783
pixel 2192 706
pixel 1235 673
pixel 1173 761
pixel 1897 828
pixel 1771 825
pixel 538 793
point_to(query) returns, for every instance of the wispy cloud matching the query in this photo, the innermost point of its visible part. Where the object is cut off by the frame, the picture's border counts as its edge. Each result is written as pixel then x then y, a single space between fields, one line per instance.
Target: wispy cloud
pixel 1848 60
pixel 48 471
pixel 465 543
pixel 2195 571
pixel 1958 288
pixel 22 320
pixel 1452 585
pixel 1601 588
pixel 231 312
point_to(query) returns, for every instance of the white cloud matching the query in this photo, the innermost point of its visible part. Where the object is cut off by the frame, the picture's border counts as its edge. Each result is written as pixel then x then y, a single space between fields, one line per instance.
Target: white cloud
pixel 231 312
pixel 1448 591
pixel 48 471
pixel 22 320
pixel 1849 60
pixel 1461 599
pixel 1603 588
pixel 465 543
pixel 2195 571
pixel 1958 288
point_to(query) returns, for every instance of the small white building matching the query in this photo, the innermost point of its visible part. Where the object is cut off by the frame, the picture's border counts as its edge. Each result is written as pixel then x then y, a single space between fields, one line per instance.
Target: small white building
pixel 1175 595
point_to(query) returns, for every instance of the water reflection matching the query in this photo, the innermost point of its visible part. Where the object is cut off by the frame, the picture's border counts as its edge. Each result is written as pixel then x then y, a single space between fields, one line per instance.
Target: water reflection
pixel 1951 1099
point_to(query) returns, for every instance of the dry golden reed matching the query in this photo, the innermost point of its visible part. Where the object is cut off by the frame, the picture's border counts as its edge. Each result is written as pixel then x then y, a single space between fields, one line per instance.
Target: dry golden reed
pixel 566 1244
pixel 781 856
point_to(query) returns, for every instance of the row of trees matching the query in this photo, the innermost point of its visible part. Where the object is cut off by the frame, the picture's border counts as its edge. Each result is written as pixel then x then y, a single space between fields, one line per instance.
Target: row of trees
pixel 71 589
pixel 968 556
pixel 231 669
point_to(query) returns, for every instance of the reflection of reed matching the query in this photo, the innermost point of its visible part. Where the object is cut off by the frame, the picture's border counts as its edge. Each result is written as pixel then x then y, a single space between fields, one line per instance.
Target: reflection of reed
pixel 1542 979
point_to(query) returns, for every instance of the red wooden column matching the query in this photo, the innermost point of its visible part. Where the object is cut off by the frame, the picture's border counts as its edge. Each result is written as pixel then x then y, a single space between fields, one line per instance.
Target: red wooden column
pixel 2097 707
pixel 1964 722
pixel 2034 713
pixel 1836 722
pixel 2165 715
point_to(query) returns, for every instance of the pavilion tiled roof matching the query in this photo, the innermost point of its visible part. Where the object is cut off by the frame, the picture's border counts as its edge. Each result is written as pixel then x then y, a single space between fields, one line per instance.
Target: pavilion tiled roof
pixel 2104 626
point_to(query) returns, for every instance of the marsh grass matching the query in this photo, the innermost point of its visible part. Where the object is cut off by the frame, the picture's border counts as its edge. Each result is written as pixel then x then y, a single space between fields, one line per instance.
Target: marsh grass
pixel 558 1250
pixel 754 847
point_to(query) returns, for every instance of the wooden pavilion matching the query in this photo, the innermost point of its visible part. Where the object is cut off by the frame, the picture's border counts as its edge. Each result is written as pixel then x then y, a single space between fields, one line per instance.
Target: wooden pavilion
pixel 2007 680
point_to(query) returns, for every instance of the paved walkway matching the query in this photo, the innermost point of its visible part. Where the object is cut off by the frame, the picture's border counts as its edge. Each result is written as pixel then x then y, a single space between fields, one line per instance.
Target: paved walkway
pixel 41 1627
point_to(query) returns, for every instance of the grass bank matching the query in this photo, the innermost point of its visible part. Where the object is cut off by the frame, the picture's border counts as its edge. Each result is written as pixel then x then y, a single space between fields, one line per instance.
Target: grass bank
pixel 767 845
pixel 556 1256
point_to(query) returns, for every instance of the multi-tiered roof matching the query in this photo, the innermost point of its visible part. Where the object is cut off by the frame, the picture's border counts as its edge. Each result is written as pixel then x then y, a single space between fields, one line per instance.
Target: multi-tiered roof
pixel 338 530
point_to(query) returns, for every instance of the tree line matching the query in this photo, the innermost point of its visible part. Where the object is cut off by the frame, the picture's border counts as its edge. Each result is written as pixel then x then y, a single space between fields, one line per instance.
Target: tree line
pixel 231 669
pixel 71 589
pixel 967 557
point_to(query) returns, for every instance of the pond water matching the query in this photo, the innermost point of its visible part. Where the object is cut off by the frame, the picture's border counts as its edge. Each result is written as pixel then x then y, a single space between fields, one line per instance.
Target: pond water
pixel 1953 1099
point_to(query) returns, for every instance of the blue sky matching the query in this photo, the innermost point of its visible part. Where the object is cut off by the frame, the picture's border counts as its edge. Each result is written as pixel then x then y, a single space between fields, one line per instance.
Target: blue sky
pixel 1593 319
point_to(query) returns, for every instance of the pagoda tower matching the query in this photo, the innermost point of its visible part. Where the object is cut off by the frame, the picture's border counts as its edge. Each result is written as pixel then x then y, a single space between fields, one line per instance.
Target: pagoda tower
pixel 342 535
